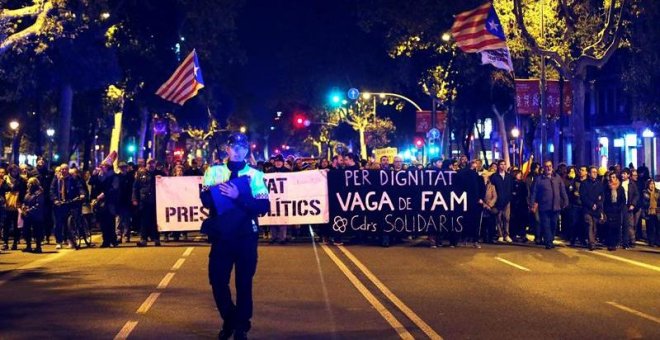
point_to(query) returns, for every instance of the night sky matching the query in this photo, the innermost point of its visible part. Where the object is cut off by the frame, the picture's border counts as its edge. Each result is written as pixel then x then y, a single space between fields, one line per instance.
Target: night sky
pixel 298 51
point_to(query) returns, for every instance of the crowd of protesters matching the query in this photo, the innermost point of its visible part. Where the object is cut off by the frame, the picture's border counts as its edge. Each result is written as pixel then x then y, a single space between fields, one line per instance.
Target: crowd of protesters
pixel 37 203
pixel 585 206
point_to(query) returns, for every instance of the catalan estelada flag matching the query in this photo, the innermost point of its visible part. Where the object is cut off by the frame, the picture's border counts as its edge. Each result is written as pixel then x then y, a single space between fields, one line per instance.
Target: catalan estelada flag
pixel 184 83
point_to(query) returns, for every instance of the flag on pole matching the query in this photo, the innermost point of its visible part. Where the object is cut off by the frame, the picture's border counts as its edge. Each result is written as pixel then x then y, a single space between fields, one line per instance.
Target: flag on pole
pixel 184 83
pixel 479 30
pixel 500 58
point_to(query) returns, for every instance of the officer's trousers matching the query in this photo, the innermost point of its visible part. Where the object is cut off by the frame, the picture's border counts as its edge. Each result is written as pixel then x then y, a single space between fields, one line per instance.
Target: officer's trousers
pixel 240 253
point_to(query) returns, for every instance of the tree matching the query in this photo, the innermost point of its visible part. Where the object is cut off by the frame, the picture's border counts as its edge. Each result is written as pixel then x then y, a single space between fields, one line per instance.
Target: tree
pixel 641 71
pixel 579 40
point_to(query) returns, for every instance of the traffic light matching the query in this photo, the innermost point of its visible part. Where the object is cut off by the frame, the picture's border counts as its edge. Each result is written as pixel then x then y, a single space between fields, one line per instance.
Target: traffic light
pixel 300 121
pixel 336 98
pixel 419 142
pixel 131 148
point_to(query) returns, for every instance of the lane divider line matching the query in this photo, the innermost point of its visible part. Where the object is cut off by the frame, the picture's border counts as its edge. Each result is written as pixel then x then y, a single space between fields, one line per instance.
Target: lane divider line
pixel 635 312
pixel 187 252
pixel 512 264
pixel 126 330
pixel 629 261
pixel 389 317
pixel 165 281
pixel 144 308
pixel 178 264
pixel 395 300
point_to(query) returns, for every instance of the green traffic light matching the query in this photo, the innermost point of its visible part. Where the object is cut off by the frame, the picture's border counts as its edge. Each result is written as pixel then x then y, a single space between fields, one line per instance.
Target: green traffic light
pixel 130 148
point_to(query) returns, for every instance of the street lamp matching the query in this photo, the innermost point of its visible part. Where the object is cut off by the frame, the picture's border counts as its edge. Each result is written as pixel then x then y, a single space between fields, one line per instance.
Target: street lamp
pixel 446 37
pixel 15 144
pixel 243 129
pixel 515 133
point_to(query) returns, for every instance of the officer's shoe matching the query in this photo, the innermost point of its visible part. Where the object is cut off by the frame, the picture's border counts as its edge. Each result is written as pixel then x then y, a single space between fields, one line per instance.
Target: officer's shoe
pixel 225 334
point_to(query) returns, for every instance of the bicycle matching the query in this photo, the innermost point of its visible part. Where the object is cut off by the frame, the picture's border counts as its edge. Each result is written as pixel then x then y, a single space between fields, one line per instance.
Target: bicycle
pixel 77 224
pixel 79 227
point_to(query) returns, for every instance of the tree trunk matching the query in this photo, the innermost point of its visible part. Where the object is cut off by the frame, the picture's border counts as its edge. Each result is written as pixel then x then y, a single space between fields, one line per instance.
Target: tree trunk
pixel 144 123
pixel 88 146
pixel 363 145
pixel 501 126
pixel 66 104
pixel 577 118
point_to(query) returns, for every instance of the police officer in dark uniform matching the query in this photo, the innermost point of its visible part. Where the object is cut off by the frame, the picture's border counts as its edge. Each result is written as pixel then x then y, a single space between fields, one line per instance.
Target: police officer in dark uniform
pixel 233 234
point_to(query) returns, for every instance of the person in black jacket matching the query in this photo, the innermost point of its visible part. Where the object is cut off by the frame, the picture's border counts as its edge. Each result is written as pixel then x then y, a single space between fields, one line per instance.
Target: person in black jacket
pixel 18 187
pixel 503 183
pixel 233 234
pixel 105 202
pixel 33 211
pixel 65 193
pixel 632 206
pixel 144 197
pixel 468 180
pixel 124 209
pixel 591 198
pixel 614 203
pixel 519 205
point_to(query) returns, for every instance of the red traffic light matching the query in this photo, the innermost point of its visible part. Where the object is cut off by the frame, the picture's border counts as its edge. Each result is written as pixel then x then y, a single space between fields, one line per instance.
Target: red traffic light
pixel 419 142
pixel 301 121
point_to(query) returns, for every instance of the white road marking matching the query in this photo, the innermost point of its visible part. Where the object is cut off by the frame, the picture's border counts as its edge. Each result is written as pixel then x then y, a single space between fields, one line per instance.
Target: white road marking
pixel 165 281
pixel 635 312
pixel 512 264
pixel 126 330
pixel 144 308
pixel 324 287
pixel 623 259
pixel 388 293
pixel 178 264
pixel 188 251
pixel 391 319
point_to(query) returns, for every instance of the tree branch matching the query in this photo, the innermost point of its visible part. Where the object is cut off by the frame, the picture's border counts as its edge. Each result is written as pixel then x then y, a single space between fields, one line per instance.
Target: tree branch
pixel 33 30
pixel 599 61
pixel 570 17
pixel 517 9
pixel 604 33
pixel 9 14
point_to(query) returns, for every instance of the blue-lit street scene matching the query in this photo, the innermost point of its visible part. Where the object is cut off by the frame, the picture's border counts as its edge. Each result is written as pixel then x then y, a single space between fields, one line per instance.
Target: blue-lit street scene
pixel 370 169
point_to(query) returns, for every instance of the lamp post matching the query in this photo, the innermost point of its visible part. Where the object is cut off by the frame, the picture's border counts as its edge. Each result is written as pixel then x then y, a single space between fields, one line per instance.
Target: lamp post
pixel 50 133
pixel 15 144
pixel 515 133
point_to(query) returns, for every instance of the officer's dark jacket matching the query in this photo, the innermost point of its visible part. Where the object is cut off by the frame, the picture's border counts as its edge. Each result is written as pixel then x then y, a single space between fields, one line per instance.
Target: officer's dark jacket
pixel 591 192
pixel 239 221
pixel 73 187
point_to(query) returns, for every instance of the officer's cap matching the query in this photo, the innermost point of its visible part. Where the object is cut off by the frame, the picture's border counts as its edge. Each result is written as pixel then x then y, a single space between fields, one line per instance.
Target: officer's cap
pixel 238 138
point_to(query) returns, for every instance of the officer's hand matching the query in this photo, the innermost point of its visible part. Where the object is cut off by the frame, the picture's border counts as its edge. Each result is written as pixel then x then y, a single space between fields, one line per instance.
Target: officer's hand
pixel 228 189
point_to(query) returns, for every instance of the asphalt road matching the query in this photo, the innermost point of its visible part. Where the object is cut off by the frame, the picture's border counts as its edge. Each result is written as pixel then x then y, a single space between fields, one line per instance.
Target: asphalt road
pixel 310 291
